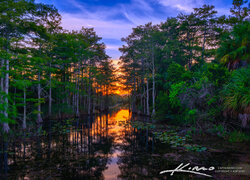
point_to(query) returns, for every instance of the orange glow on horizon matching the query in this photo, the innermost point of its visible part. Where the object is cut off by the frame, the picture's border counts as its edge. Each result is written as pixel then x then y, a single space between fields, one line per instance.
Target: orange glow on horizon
pixel 120 88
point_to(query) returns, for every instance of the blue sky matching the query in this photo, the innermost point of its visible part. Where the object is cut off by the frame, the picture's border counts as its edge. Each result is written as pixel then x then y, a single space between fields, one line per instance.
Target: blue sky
pixel 114 19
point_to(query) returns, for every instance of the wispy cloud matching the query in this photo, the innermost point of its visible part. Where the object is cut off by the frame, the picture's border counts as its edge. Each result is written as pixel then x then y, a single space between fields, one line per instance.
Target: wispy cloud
pixel 113 20
pixel 110 22
pixel 112 47
pixel 182 5
pixel 222 6
pixel 106 29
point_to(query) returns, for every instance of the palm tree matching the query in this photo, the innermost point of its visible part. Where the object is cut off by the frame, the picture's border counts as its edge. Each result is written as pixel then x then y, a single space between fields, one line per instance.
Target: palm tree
pixel 234 47
pixel 237 95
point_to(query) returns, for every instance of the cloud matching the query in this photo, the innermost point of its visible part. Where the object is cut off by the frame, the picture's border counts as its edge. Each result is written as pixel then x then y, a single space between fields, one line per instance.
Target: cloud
pixel 111 23
pixel 112 47
pixel 182 5
pixel 222 6
pixel 105 29
pixel 113 20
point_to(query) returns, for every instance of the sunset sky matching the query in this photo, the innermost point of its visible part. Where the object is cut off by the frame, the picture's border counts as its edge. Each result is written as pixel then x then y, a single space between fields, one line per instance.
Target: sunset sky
pixel 114 19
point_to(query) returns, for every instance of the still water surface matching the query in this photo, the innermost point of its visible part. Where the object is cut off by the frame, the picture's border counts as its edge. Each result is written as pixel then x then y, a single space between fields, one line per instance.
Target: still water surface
pixel 101 147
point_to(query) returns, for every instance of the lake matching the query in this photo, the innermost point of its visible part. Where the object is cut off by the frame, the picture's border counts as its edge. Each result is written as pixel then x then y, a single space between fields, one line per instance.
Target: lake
pixel 106 146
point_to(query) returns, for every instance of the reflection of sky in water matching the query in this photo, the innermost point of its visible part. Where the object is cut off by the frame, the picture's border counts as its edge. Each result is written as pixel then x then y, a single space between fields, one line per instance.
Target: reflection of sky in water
pixel 113 170
pixel 116 130
pixel 115 127
pixel 100 147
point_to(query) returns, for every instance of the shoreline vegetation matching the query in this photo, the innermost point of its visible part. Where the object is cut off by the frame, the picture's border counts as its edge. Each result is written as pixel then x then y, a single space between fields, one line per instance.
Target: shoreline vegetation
pixel 47 71
pixel 192 71
pixel 188 76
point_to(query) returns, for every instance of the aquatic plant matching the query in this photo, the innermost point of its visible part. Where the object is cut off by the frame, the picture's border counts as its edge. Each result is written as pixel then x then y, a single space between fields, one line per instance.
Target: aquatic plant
pixel 237 136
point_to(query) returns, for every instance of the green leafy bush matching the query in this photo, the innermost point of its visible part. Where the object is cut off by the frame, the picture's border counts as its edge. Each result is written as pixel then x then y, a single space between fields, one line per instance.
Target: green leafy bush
pixel 215 73
pixel 175 72
pixel 175 90
pixel 234 46
pixel 220 131
pixel 237 92
pixel 237 136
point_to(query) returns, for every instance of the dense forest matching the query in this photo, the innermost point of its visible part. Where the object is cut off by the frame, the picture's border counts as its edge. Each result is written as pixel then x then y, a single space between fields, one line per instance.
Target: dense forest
pixel 46 71
pixel 193 69
pixel 68 111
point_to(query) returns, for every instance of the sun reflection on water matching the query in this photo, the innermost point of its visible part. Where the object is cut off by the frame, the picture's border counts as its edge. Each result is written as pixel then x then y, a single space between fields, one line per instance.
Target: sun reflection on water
pixel 116 129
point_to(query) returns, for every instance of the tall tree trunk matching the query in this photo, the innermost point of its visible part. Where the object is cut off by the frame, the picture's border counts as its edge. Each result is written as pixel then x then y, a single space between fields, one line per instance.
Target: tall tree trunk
pixel 50 91
pixel 141 104
pixel 77 103
pixel 6 127
pixel 73 101
pixel 77 93
pixel 89 96
pixel 143 85
pixel 148 113
pixel 190 50
pixel 203 45
pixel 144 100
pixel 24 108
pixel 2 81
pixel 153 92
pixel 134 97
pixel 106 105
pixel 39 117
pixel 93 102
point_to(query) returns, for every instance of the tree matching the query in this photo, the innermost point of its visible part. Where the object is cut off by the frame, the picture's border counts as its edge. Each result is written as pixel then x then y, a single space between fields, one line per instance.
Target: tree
pixel 234 47
pixel 237 95
pixel 59 67
pixel 18 19
pixel 239 11
pixel 206 25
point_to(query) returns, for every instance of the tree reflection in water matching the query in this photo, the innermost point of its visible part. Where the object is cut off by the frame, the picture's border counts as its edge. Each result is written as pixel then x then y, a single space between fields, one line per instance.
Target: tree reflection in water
pixel 96 147
pixel 89 149
pixel 83 152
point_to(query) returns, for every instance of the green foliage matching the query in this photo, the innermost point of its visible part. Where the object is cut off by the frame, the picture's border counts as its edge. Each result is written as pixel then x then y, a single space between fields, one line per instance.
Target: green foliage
pixel 237 136
pixel 190 116
pixel 220 131
pixel 175 72
pixel 239 10
pixel 236 93
pixel 194 95
pixel 182 55
pixel 9 107
pixel 196 148
pixel 44 66
pixel 215 73
pixel 234 46
pixel 192 112
pixel 171 137
pixel 175 90
pixel 163 107
pixel 142 126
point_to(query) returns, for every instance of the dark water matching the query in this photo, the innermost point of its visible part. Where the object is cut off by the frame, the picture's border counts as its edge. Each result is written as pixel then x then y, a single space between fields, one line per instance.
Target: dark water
pixel 101 147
